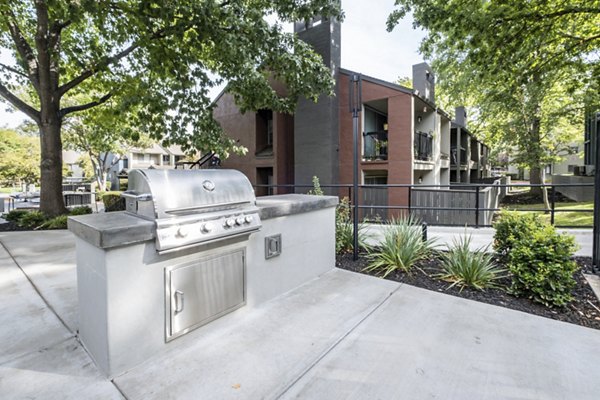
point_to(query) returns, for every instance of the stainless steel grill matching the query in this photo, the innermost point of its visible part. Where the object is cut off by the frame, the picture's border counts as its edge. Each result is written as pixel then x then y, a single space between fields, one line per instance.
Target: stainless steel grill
pixel 193 207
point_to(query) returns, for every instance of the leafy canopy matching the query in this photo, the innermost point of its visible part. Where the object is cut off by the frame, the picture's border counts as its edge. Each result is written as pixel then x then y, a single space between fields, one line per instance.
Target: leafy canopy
pixel 152 63
pixel 527 68
pixel 19 157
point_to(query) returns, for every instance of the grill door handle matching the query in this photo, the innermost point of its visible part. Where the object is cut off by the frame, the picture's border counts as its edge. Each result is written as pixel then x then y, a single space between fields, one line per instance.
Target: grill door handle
pixel 178 302
pixel 136 196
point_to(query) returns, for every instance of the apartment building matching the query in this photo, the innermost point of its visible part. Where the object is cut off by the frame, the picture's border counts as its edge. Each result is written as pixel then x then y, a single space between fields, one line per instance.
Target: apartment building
pixel 404 137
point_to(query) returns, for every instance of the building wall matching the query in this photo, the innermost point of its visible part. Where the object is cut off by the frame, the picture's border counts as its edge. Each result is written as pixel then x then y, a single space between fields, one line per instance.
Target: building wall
pixel 316 124
pixel 400 145
pixel 242 128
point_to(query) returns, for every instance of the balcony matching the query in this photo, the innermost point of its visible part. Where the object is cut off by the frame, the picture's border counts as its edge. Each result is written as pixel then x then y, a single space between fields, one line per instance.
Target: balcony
pixel 423 146
pixel 375 146
pixel 454 156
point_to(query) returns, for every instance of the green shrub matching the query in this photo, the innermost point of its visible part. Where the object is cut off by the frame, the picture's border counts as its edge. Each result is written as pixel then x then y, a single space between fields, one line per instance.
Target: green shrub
pixel 344 229
pixel 402 247
pixel 59 222
pixel 512 228
pixel 81 210
pixel 542 268
pixel 316 190
pixel 465 267
pixel 32 219
pixel 113 201
pixel 15 215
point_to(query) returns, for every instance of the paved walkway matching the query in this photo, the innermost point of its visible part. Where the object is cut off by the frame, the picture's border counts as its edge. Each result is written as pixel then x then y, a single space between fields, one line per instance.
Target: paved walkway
pixel 341 336
pixel 482 237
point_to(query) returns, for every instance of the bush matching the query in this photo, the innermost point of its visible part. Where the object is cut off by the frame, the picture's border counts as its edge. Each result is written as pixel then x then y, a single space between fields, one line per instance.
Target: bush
pixel 81 210
pixel 59 222
pixel 402 247
pixel 15 215
pixel 542 268
pixel 113 201
pixel 465 267
pixel 512 228
pixel 344 229
pixel 32 219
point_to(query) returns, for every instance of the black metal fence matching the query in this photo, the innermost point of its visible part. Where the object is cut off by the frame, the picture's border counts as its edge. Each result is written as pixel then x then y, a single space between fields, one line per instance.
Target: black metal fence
pixel 477 208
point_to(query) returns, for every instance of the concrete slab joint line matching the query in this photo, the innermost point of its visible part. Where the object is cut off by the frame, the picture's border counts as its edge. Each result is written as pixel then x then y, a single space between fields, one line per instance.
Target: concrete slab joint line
pixel 336 343
pixel 36 289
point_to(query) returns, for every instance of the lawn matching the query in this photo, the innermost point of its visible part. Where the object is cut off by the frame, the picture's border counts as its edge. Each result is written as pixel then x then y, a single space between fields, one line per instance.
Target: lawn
pixel 565 218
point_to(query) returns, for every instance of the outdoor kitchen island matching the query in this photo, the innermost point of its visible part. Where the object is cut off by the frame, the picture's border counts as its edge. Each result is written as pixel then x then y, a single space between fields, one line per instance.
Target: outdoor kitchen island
pixel 134 300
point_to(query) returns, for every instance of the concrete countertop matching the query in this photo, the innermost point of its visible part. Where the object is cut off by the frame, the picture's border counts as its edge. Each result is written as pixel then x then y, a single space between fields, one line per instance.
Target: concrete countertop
pixel 289 204
pixel 113 229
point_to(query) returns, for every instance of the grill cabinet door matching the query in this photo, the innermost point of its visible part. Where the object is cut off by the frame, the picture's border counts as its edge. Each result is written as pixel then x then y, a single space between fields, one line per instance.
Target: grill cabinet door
pixel 205 290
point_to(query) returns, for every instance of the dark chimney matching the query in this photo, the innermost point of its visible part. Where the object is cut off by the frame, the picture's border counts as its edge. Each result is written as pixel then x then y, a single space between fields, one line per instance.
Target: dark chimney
pixel 460 116
pixel 424 81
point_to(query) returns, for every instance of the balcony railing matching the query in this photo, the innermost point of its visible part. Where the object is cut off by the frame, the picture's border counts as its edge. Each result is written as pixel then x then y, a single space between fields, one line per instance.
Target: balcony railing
pixel 454 155
pixel 423 146
pixel 375 146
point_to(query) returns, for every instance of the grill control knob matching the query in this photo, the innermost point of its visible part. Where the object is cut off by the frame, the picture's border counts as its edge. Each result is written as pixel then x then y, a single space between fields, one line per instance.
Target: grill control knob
pixel 230 222
pixel 248 219
pixel 207 227
pixel 239 220
pixel 183 231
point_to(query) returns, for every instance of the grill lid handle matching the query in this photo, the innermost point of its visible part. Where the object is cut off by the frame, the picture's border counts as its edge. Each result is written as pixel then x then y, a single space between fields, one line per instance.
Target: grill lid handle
pixel 137 197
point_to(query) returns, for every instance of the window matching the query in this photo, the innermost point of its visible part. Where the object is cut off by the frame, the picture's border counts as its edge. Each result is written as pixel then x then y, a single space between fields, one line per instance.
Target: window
pixel 166 159
pixel 264 133
pixel 375 136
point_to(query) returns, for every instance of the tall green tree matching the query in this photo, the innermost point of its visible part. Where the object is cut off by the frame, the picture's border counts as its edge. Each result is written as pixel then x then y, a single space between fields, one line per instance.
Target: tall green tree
pixel 162 55
pixel 19 158
pixel 103 139
pixel 526 65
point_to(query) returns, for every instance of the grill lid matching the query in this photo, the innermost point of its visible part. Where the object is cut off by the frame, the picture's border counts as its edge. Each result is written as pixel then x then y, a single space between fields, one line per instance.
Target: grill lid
pixel 192 207
pixel 175 192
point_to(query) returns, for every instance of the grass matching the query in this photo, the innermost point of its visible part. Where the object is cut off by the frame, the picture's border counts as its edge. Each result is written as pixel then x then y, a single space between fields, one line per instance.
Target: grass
pixel 567 218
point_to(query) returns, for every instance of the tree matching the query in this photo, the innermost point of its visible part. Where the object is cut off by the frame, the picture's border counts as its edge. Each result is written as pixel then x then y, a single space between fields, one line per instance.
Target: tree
pixel 154 61
pixel 19 158
pixel 104 139
pixel 518 62
pixel 405 81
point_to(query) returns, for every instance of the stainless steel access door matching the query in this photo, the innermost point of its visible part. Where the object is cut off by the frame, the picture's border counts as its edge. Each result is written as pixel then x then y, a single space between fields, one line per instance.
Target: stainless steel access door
pixel 201 291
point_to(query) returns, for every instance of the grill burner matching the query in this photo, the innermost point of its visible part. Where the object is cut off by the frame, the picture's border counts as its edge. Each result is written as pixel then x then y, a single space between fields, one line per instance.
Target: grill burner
pixel 193 207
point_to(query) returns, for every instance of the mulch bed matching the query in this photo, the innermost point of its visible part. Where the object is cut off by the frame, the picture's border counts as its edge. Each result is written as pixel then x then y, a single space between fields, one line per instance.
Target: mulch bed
pixel 528 198
pixel 581 311
pixel 11 227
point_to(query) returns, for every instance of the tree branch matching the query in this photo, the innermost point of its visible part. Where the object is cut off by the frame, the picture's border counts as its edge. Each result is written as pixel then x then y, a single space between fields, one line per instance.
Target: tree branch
pixel 83 107
pixel 99 66
pixel 24 49
pixel 13 70
pixel 19 104
pixel 560 13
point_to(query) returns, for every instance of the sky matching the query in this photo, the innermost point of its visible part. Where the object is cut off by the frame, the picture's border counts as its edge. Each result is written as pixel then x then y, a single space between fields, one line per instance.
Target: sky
pixel 366 47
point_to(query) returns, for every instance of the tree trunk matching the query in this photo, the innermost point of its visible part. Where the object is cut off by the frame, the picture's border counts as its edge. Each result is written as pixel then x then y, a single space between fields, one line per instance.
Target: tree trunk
pixel 535 178
pixel 545 191
pixel 51 197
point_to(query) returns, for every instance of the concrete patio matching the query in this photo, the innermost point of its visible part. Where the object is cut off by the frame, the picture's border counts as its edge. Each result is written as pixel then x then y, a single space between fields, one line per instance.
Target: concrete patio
pixel 343 335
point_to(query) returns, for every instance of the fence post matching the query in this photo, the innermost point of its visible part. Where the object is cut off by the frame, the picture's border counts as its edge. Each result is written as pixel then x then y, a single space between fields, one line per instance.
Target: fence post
pixel 409 200
pixel 424 231
pixel 552 204
pixel 477 206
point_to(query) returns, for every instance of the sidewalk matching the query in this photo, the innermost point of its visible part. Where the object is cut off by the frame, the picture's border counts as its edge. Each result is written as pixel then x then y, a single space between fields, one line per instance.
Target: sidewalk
pixel 482 237
pixel 341 336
